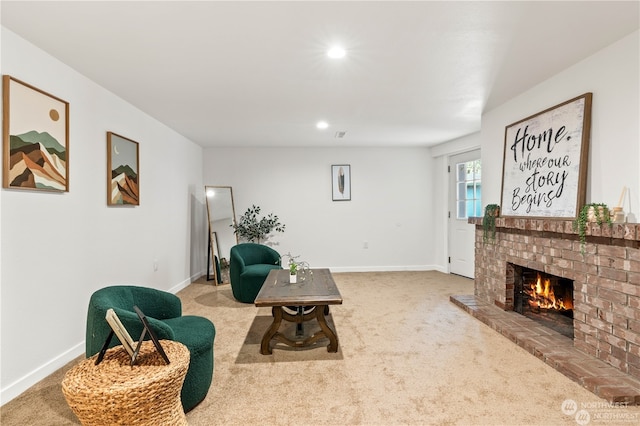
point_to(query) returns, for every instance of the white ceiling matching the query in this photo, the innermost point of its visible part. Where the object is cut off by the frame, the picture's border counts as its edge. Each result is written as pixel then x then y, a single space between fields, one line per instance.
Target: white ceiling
pixel 256 73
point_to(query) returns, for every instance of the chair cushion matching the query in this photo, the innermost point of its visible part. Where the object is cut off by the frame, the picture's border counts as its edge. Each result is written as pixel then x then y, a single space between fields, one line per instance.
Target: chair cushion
pixel 197 333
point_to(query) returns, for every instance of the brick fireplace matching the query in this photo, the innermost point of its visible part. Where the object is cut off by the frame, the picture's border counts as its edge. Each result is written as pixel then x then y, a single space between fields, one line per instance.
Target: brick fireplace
pixel 606 292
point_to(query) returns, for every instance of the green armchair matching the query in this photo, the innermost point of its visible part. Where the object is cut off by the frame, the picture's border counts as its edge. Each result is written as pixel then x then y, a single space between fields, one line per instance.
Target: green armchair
pixel 250 264
pixel 164 312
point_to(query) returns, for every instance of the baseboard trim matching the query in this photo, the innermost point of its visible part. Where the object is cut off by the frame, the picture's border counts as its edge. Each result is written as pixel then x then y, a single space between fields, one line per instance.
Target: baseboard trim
pixel 22 384
pixel 386 268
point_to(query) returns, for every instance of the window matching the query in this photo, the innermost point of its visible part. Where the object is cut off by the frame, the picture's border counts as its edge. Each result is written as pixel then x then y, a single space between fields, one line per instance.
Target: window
pixel 469 189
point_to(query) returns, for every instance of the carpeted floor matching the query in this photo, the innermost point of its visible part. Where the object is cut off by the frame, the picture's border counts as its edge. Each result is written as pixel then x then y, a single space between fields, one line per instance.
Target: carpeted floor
pixel 407 355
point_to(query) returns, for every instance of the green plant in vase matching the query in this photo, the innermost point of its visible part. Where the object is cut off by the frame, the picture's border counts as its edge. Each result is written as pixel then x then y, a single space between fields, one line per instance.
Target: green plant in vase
pixel 255 229
pixel 592 212
pixel 295 267
pixel 491 212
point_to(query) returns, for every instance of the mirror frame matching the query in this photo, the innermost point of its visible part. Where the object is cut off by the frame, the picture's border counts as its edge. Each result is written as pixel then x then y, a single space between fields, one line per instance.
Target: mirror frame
pixel 214 243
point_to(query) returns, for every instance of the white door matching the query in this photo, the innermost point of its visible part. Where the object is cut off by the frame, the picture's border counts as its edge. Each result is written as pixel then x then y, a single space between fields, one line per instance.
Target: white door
pixel 465 200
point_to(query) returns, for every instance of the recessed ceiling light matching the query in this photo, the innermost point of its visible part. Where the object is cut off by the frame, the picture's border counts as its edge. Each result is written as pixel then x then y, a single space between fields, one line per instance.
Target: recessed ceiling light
pixel 336 52
pixel 322 124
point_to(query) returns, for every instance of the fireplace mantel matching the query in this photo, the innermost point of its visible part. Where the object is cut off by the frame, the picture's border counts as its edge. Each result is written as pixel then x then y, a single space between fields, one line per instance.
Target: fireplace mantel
pixel 622 234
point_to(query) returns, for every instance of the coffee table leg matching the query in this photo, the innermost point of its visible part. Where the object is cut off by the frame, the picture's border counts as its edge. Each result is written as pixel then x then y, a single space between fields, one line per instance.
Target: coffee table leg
pixel 322 321
pixel 265 348
pixel 300 324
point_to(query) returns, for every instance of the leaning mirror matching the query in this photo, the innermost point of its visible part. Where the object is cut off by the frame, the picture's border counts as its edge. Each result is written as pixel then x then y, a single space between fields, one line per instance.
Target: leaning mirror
pixel 222 216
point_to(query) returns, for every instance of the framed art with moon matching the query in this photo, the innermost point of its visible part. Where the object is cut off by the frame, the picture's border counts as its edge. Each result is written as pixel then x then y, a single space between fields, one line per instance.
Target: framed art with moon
pixel 123 178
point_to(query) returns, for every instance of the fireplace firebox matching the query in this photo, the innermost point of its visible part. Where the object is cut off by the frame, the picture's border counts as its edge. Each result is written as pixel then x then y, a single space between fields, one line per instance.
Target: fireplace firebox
pixel 545 298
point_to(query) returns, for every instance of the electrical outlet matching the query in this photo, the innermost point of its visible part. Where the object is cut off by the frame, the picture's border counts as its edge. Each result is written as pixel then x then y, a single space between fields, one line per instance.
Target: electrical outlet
pixel 365 245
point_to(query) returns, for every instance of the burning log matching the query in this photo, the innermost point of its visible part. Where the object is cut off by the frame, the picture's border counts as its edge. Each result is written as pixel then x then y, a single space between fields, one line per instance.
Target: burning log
pixel 542 296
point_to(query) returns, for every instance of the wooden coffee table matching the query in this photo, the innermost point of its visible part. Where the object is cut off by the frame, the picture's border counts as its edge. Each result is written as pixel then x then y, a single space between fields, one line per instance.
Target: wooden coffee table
pixel 298 303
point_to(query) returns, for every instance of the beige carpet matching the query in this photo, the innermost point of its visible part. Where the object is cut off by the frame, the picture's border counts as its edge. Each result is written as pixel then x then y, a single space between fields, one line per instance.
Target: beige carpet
pixel 407 356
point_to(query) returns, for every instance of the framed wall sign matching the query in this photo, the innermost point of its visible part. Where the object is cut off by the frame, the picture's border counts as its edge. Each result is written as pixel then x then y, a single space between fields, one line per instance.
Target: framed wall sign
pixel 123 179
pixel 341 182
pixel 545 161
pixel 35 138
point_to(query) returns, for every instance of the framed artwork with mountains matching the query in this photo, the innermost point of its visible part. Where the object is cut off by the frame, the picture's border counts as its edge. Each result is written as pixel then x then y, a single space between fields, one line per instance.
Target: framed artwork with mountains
pixel 123 179
pixel 35 136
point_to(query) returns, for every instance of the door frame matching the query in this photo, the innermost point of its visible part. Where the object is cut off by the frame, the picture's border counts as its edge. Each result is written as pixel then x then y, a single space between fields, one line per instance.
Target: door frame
pixel 467 155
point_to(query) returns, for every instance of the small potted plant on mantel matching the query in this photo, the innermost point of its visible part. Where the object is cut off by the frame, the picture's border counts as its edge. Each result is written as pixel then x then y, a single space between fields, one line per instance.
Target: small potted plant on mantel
pixel 592 212
pixel 491 212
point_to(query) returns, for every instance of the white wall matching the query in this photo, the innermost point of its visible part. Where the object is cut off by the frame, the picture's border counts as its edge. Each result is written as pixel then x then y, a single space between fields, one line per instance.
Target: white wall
pixel 612 76
pixel 390 207
pixel 57 248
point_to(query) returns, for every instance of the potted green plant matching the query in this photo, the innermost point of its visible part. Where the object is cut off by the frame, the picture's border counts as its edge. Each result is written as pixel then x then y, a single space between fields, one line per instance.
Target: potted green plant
pixel 491 212
pixel 293 272
pixel 254 229
pixel 295 267
pixel 591 212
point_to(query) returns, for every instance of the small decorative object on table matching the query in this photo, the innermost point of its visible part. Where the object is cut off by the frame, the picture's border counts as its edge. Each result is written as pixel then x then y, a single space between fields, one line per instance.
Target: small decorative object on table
pixel 297 268
pixel 293 272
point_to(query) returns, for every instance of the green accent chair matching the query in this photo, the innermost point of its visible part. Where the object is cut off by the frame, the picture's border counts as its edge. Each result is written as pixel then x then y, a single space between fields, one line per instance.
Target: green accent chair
pixel 249 266
pixel 164 312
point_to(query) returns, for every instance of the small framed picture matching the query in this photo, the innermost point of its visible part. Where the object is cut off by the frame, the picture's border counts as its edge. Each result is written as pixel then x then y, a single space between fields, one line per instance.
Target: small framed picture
pixel 341 182
pixel 123 179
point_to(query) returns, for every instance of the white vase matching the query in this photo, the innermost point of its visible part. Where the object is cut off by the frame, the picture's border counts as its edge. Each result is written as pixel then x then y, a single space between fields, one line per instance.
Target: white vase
pixel 293 278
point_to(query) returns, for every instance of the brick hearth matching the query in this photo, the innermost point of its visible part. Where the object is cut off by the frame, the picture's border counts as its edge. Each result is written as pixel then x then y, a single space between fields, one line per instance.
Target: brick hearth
pixel 555 350
pixel 604 355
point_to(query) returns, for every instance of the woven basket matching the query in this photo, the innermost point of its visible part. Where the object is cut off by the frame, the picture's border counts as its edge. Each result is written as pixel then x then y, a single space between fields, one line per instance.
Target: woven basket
pixel 116 393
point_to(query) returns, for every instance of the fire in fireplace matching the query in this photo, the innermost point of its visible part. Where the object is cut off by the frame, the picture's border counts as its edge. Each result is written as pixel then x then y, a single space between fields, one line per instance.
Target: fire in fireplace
pixel 542 294
pixel 545 298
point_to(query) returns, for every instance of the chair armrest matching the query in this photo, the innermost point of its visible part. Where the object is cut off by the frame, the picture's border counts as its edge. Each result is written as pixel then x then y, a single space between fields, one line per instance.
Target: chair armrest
pixel 273 257
pixel 277 260
pixel 237 260
pixel 236 266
